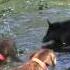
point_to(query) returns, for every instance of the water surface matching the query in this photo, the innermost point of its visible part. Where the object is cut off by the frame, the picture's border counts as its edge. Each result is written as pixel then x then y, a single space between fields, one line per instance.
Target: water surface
pixel 29 30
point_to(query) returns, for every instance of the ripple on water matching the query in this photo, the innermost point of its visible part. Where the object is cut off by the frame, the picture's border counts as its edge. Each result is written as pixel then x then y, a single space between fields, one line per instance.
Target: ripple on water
pixel 63 61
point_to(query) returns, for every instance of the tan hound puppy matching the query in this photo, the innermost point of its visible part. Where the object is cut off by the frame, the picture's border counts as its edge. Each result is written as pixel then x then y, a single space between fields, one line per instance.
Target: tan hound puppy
pixel 39 60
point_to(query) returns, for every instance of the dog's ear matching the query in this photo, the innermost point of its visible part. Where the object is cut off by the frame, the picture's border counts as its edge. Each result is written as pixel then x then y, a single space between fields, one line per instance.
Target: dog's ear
pixel 53 58
pixel 32 55
pixel 50 58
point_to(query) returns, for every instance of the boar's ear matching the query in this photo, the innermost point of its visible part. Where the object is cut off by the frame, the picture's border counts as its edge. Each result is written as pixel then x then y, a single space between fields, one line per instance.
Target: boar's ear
pixel 49 22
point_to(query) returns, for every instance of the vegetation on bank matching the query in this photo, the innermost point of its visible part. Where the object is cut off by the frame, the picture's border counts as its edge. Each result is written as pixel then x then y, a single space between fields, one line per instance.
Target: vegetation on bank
pixel 12 7
pixel 21 6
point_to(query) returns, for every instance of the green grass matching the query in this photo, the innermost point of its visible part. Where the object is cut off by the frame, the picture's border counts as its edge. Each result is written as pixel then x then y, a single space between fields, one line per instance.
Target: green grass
pixel 21 6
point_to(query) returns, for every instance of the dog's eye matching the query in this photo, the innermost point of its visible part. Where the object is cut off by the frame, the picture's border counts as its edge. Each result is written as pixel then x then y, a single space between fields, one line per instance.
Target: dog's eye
pixel 47 64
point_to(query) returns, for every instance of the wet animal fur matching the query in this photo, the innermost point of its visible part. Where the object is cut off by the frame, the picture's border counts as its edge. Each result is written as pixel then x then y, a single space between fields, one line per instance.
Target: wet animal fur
pixel 59 33
pixel 47 56
pixel 8 48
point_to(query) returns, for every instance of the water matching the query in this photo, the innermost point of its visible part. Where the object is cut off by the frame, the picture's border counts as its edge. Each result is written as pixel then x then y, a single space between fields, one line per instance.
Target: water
pixel 29 29
pixel 63 61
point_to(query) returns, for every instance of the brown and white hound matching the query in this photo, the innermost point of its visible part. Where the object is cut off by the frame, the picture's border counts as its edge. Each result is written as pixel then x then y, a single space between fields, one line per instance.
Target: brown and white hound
pixel 39 60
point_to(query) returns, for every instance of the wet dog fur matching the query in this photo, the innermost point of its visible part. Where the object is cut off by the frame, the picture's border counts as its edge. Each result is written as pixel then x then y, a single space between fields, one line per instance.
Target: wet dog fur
pixel 46 57
pixel 8 49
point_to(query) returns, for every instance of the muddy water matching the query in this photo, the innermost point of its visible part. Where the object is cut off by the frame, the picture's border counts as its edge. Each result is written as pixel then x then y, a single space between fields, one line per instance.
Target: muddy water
pixel 29 29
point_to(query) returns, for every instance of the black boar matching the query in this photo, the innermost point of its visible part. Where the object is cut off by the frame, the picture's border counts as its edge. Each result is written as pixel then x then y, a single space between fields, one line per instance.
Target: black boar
pixel 59 36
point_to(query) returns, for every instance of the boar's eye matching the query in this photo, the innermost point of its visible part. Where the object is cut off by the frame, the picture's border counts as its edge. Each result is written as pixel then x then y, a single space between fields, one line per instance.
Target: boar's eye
pixel 63 43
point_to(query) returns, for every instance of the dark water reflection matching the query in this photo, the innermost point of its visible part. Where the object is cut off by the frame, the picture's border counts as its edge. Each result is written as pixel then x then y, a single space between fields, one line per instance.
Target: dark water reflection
pixel 29 29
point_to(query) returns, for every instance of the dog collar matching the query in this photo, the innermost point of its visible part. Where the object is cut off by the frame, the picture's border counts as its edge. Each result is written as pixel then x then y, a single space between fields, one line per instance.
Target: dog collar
pixel 42 64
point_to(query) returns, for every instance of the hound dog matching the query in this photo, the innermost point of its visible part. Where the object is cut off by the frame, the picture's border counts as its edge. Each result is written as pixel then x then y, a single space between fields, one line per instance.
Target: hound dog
pixel 8 51
pixel 39 60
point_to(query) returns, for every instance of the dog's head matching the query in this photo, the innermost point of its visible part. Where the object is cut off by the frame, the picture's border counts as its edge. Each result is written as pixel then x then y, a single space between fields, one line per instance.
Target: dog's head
pixel 47 56
pixel 8 50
